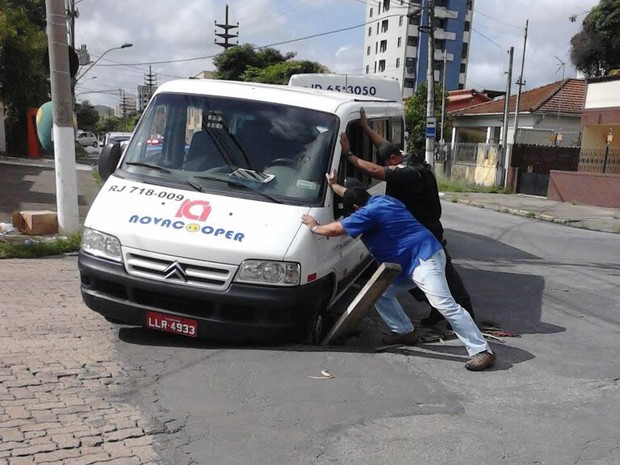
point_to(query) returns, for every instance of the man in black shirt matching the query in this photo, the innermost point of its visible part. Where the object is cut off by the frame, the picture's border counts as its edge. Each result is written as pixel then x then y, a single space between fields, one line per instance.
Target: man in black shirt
pixel 415 186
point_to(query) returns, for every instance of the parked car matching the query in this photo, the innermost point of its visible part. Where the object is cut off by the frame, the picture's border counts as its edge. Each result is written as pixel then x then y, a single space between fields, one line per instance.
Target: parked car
pixel 114 137
pixel 86 139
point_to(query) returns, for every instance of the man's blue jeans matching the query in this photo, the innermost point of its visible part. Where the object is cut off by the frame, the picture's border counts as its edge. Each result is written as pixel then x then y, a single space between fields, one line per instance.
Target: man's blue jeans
pixel 430 277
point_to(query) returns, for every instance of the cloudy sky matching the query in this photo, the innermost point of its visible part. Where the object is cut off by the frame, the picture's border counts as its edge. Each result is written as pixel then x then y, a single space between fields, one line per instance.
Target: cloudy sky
pixel 177 38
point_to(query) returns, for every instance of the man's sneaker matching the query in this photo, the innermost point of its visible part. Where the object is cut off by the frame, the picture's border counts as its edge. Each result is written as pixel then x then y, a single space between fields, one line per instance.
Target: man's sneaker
pixel 481 361
pixel 408 339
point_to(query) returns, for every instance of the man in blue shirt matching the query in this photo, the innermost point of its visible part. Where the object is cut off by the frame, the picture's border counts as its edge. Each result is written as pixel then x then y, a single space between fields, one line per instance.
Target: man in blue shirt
pixel 392 234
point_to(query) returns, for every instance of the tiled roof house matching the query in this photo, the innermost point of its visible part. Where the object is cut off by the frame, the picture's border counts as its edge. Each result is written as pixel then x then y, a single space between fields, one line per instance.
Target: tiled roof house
pixel 543 111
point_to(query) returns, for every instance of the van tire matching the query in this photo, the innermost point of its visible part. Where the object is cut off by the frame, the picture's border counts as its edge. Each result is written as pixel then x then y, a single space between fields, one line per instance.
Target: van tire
pixel 320 321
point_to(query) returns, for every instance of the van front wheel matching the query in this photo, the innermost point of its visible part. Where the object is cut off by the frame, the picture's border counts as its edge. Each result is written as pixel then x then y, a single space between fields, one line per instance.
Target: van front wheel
pixel 319 322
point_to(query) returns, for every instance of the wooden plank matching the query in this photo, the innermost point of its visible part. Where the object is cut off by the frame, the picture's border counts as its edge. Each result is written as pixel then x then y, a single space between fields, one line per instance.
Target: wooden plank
pixel 363 302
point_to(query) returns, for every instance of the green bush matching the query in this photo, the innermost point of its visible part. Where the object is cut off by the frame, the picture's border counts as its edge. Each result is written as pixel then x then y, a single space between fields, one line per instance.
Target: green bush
pixel 35 248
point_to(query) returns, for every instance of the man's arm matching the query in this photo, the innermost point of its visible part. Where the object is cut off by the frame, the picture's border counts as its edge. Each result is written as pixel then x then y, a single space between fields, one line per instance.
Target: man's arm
pixel 372 169
pixel 331 229
pixel 376 138
pixel 337 188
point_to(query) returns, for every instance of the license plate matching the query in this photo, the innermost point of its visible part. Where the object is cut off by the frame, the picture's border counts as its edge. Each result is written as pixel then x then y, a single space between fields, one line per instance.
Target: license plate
pixel 172 324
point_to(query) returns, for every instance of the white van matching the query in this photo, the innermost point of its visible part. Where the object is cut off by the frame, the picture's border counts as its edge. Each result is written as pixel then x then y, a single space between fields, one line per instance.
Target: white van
pixel 201 234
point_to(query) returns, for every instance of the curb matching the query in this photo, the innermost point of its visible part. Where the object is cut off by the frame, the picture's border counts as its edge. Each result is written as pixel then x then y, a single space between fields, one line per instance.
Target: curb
pixel 578 223
pixel 515 211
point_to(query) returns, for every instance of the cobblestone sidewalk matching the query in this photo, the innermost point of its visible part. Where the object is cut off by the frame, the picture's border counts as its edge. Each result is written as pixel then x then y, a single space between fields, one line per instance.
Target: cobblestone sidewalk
pixel 61 385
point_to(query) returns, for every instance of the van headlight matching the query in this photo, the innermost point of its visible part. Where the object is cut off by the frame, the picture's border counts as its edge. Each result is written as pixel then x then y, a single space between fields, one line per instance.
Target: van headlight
pixel 101 245
pixel 264 272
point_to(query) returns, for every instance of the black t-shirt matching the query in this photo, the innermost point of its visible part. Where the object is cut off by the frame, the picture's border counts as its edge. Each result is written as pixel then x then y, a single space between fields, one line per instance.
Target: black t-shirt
pixel 416 187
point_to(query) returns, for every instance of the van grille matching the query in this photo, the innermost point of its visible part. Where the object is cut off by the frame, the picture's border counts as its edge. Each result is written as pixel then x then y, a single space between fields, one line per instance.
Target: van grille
pixel 184 271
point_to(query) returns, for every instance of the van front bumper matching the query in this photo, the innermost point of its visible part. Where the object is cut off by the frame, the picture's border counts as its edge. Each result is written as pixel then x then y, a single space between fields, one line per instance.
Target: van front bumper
pixel 242 312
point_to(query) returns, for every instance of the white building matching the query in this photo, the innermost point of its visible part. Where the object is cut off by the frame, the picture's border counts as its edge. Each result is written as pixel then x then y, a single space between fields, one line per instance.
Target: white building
pixel 396 41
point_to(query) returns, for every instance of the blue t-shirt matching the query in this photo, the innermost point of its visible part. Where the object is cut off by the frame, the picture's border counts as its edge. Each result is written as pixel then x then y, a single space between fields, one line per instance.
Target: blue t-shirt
pixel 391 233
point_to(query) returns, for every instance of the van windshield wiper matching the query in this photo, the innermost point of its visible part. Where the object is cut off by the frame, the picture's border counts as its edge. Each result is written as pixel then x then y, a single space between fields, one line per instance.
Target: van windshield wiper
pixel 163 169
pixel 234 182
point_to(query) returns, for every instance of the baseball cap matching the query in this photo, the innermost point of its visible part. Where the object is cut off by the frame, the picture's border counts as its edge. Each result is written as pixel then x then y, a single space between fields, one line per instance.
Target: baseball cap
pixel 387 149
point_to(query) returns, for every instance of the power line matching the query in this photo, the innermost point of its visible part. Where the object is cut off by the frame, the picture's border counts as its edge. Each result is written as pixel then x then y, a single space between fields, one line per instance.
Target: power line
pixel 495 19
pixel 321 34
pixel 487 38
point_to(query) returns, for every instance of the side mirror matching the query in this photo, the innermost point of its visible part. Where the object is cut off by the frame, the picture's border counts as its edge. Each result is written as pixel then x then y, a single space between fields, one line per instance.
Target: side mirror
pixel 108 160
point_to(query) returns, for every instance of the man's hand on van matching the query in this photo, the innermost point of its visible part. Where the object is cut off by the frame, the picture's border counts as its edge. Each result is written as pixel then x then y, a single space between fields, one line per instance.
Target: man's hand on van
pixel 363 120
pixel 331 180
pixel 331 177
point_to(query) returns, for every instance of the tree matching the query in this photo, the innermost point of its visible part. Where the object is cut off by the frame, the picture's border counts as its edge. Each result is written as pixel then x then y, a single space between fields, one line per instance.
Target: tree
pixel 231 63
pixel 268 65
pixel 280 73
pixel 23 78
pixel 415 118
pixel 595 50
pixel 87 116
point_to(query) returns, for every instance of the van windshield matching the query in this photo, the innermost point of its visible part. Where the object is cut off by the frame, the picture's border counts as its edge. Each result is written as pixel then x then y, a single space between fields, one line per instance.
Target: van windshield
pixel 244 148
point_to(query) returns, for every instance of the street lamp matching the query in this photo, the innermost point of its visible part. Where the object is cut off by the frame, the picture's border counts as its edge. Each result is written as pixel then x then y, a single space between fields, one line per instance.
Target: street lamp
pixel 100 57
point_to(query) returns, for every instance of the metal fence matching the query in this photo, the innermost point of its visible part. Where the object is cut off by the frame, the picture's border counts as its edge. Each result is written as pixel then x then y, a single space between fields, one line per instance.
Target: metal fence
pixel 465 153
pixel 605 160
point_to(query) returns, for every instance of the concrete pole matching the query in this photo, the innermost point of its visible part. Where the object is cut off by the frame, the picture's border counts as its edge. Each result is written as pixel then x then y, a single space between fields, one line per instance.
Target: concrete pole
pixel 430 82
pixel 502 168
pixel 520 83
pixel 63 131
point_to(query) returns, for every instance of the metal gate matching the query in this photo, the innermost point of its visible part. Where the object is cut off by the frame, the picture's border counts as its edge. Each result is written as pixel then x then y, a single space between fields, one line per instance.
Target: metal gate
pixel 534 162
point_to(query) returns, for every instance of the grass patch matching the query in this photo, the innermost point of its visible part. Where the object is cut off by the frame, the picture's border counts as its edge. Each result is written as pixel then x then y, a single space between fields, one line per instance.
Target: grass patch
pixel 37 249
pixel 454 185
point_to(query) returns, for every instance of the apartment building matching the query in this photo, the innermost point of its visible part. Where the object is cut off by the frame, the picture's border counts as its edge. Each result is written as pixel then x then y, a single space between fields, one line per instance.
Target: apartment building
pixel 396 41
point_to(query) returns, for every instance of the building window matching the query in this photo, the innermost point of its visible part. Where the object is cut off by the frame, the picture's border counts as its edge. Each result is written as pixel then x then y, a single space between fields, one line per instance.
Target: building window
pixel 409 83
pixel 464 52
pixel 384 25
pixel 376 47
pixel 367 69
pixel 440 44
pixel 381 66
pixel 412 41
pixel 463 67
pixel 368 50
pixel 400 42
pixel 377 28
pixel 369 31
pixel 398 62
pixel 375 67
pixel 400 21
pixel 371 12
pixel 410 64
pixel 386 5
pixel 415 19
pixel 467 26
pixel 383 46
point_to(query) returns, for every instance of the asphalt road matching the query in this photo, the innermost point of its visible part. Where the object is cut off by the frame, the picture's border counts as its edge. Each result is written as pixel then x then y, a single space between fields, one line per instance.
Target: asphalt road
pixel 33 187
pixel 126 395
pixel 552 398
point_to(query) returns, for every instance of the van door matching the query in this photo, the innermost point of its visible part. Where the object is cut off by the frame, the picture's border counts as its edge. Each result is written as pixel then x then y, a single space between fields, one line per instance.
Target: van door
pixel 352 255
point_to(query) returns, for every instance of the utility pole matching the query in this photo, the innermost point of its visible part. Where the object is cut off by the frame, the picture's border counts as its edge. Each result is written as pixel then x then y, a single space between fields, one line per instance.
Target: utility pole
pixel 150 81
pixel 63 132
pixel 430 85
pixel 226 35
pixel 72 14
pixel 502 166
pixel 443 96
pixel 520 83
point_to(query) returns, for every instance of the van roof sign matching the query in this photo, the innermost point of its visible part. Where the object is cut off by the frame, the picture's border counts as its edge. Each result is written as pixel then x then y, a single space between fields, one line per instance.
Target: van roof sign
pixel 357 84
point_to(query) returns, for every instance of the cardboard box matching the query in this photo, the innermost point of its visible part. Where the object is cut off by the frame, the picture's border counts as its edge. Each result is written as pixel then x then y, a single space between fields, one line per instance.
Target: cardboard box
pixel 35 223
